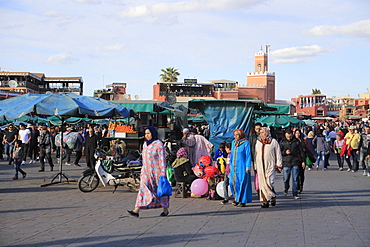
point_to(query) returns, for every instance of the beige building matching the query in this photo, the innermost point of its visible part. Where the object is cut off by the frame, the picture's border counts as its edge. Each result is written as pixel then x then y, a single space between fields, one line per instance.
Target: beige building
pixel 27 82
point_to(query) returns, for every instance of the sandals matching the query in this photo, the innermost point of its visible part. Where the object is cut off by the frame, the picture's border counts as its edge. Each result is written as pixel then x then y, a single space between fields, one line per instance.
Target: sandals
pixel 163 214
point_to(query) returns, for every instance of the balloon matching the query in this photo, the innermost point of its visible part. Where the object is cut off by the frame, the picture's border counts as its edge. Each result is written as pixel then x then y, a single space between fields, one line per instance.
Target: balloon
pixel 211 171
pixel 220 189
pixel 205 160
pixel 198 171
pixel 199 187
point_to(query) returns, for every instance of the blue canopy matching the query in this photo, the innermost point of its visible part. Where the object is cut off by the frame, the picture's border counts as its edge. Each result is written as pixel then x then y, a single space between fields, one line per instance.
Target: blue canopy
pixel 60 104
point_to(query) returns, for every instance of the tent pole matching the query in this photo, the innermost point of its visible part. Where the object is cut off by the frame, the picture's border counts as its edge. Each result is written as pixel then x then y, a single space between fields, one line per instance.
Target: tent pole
pixel 60 174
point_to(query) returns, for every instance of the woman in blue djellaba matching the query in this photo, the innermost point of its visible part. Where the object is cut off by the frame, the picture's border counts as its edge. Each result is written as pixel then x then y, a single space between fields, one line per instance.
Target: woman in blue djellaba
pixel 240 169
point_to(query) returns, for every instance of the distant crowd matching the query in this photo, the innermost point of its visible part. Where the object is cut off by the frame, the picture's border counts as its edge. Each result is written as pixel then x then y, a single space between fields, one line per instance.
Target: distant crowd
pixel 30 144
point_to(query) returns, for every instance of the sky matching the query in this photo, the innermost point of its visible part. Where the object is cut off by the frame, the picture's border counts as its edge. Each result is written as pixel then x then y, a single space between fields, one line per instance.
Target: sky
pixel 321 44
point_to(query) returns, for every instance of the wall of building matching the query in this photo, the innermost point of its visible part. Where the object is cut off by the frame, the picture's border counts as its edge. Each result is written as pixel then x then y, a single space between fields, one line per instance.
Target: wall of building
pixel 360 102
pixel 252 93
pixel 156 96
pixel 226 95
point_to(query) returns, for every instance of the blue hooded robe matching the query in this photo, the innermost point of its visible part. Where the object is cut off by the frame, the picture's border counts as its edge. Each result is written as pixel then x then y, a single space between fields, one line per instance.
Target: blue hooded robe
pixel 240 180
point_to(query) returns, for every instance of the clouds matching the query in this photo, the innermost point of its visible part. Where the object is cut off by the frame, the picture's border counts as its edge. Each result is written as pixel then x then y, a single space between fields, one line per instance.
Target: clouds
pixel 60 59
pixel 298 54
pixel 357 29
pixel 89 1
pixel 115 47
pixel 56 15
pixel 206 39
pixel 186 6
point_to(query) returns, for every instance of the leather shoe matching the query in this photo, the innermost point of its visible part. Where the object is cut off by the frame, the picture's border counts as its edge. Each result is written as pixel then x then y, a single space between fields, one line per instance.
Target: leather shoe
pixel 41 170
pixel 51 168
pixel 132 213
pixel 163 214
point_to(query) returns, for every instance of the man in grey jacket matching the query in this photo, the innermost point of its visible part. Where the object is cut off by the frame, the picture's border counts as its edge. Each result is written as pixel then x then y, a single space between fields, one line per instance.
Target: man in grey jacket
pixel 46 146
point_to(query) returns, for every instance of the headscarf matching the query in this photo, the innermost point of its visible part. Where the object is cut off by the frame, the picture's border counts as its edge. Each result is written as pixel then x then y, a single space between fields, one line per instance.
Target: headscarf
pixel 310 134
pixel 268 136
pixel 154 135
pixel 182 153
pixel 242 137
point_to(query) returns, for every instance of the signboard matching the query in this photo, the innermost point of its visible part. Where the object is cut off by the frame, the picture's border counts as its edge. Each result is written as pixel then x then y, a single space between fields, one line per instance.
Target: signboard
pixel 190 80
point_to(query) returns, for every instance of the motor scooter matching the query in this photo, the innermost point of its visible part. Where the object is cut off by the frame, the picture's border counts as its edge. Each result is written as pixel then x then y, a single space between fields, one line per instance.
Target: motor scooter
pixel 111 173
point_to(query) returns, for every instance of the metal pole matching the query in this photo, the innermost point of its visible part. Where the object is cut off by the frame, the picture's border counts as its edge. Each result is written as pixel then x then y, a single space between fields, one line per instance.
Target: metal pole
pixel 61 154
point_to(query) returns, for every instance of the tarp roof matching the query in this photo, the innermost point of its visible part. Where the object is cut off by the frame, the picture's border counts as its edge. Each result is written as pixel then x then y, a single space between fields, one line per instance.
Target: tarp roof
pixel 280 109
pixel 141 105
pixel 280 121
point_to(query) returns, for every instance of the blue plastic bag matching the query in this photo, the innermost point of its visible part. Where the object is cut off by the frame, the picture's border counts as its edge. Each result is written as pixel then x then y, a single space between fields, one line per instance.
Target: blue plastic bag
pixel 164 187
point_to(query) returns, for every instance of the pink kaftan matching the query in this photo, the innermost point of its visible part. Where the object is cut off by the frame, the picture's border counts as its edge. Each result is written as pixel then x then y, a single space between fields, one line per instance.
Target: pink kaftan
pixel 154 166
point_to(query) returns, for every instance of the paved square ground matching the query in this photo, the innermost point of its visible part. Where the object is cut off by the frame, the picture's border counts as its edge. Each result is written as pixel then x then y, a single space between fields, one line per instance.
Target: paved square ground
pixel 334 211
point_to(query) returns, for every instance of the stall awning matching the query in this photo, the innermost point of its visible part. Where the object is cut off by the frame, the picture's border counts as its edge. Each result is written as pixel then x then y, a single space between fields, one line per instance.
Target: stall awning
pixel 280 109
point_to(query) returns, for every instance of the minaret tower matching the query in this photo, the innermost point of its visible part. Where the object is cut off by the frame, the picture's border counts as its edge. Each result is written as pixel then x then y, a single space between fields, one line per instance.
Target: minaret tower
pixel 261 77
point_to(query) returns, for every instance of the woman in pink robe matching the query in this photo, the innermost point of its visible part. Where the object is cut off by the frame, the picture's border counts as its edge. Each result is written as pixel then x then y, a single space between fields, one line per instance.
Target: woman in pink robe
pixel 154 166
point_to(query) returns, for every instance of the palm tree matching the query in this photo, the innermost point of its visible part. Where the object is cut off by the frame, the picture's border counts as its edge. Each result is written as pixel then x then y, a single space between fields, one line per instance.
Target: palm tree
pixel 169 75
pixel 316 91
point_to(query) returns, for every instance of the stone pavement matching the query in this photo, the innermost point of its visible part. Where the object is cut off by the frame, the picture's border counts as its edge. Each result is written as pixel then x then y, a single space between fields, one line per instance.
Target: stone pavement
pixel 334 211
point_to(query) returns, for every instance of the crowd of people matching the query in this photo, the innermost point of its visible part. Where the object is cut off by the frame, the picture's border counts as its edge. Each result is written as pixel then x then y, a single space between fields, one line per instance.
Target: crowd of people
pixel 263 153
pixel 31 144
pixel 266 151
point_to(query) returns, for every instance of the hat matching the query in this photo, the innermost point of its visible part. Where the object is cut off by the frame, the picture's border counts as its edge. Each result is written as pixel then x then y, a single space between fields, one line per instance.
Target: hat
pixel 288 131
pixel 186 130
pixel 352 127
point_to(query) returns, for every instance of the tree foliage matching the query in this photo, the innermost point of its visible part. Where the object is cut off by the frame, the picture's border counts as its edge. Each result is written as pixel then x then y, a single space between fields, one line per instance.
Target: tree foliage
pixel 316 91
pixel 169 75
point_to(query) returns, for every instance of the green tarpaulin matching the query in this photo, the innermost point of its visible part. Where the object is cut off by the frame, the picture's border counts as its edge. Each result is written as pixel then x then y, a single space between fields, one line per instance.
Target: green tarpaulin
pixel 142 106
pixel 280 109
pixel 55 120
pixel 280 121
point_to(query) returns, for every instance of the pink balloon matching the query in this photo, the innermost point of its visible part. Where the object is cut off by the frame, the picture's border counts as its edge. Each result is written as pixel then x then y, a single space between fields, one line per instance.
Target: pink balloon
pixel 199 187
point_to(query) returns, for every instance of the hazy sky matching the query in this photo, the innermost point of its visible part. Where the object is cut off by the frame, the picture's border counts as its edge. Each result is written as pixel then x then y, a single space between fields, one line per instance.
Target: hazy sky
pixel 320 44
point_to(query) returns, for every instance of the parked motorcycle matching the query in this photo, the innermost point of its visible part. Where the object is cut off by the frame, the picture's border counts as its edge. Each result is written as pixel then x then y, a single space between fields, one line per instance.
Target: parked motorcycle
pixel 111 173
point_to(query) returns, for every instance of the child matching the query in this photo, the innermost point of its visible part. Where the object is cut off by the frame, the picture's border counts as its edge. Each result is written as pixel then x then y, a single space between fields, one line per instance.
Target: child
pixel 221 152
pixel 17 157
pixel 227 173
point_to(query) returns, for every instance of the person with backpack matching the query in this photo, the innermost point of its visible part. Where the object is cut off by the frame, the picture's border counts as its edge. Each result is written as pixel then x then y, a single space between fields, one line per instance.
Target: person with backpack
pixel 17 156
pixel 322 148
